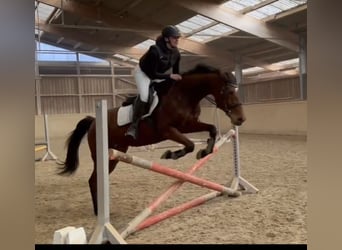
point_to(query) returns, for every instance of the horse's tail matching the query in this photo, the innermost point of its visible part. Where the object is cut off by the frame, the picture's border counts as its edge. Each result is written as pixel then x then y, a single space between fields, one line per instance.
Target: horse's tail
pixel 73 142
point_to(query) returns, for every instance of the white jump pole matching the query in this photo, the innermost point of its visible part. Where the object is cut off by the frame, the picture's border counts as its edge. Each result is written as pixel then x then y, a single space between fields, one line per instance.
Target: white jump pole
pixel 238 181
pixel 217 122
pixel 48 155
pixel 104 231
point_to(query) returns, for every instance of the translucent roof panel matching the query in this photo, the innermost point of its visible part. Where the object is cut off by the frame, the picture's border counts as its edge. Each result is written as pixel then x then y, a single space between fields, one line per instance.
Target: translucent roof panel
pixel 194 23
pixel 56 56
pixel 289 62
pixel 284 64
pixel 275 8
pixel 125 58
pixel 240 5
pixel 47 47
pixel 46 52
pixel 134 60
pixel 43 11
pixel 122 57
pixel 253 70
pixel 145 44
pixel 212 33
pixel 86 58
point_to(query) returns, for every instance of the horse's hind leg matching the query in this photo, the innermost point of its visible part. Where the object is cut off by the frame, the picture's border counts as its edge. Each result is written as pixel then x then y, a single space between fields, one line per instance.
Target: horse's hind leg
pixel 93 178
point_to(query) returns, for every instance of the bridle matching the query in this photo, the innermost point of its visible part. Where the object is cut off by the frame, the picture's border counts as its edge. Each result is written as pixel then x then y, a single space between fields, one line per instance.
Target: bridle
pixel 228 108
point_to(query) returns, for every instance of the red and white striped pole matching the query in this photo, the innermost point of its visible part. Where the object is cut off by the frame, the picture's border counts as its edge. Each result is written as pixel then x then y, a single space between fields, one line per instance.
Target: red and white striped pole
pixel 155 167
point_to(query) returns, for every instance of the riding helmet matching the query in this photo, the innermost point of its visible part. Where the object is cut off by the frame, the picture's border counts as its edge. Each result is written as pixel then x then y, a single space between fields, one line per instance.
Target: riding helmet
pixel 171 31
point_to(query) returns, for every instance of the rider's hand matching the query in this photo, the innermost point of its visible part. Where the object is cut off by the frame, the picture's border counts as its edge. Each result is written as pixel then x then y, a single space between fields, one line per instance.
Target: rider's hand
pixel 176 77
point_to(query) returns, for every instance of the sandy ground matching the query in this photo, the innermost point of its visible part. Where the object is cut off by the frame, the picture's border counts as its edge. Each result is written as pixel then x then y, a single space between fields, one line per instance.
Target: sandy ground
pixel 276 165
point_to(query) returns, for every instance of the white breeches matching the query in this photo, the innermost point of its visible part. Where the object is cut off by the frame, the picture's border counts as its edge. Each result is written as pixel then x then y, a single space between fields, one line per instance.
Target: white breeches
pixel 143 82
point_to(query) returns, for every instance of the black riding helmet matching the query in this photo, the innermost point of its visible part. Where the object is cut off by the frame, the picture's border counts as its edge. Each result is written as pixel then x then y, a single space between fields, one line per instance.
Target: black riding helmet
pixel 171 31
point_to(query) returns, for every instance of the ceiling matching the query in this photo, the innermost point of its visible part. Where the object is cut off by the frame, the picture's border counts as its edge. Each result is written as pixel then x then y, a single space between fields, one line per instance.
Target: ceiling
pixel 104 28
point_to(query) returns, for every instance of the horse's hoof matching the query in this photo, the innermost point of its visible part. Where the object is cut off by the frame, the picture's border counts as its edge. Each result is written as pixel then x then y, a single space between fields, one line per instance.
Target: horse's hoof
pixel 200 154
pixel 174 156
pixel 166 155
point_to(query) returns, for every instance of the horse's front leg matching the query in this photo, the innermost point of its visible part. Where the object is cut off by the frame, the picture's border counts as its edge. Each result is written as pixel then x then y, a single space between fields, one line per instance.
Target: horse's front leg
pixel 197 126
pixel 175 135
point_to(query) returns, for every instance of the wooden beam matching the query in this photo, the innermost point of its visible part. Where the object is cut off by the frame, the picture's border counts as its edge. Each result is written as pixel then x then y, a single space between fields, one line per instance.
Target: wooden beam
pixel 99 13
pixel 67 33
pixel 244 23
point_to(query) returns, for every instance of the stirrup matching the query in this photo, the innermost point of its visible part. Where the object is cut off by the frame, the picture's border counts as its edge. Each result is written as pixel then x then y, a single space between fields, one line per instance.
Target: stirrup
pixel 132 131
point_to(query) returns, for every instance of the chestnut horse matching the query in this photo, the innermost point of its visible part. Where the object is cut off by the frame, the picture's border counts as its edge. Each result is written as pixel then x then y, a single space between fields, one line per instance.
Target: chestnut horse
pixel 177 113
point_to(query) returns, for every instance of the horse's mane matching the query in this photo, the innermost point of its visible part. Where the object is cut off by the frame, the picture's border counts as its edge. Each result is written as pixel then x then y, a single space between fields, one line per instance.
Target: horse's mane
pixel 205 69
pixel 202 68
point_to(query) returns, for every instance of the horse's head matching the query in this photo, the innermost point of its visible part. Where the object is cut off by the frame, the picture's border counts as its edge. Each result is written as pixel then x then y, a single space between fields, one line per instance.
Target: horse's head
pixel 222 86
pixel 227 99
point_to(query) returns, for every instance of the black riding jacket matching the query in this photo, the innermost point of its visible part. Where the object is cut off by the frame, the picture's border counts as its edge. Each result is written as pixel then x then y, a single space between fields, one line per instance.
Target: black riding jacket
pixel 159 59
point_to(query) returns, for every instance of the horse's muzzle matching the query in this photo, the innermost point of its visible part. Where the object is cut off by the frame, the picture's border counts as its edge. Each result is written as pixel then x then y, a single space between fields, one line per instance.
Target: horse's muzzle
pixel 239 121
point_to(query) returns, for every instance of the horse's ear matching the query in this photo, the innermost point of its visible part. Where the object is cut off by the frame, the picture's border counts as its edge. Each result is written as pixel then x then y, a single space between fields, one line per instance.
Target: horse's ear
pixel 230 78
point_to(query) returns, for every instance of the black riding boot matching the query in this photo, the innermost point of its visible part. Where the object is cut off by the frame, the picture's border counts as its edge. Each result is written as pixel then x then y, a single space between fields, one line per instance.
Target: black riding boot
pixel 140 108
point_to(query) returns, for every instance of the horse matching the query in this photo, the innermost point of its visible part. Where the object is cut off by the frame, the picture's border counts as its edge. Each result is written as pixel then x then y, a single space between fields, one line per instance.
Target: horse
pixel 176 114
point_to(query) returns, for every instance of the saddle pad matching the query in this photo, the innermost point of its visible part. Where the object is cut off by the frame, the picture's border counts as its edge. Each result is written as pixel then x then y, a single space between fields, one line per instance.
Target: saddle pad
pixel 125 113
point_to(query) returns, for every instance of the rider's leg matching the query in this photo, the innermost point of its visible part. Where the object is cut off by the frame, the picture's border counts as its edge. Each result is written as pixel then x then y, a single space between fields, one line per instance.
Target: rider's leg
pixel 139 110
pixel 141 104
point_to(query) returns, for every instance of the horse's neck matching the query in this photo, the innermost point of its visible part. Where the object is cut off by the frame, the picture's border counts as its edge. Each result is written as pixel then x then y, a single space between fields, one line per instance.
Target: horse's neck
pixel 196 87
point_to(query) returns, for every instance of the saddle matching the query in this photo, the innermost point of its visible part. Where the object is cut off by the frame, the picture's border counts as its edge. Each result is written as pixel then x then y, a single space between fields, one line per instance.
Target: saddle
pixel 156 91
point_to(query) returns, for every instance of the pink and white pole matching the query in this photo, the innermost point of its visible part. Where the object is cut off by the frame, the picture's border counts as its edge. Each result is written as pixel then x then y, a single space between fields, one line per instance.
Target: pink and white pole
pixel 155 167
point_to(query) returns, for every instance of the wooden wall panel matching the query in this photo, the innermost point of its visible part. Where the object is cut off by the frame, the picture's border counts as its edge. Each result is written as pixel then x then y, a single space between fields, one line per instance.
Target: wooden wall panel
pixel 89 102
pixel 271 91
pixel 96 85
pixel 58 85
pixel 59 105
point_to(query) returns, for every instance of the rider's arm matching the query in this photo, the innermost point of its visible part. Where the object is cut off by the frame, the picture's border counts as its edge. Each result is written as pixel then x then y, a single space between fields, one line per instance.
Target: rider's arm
pixel 175 68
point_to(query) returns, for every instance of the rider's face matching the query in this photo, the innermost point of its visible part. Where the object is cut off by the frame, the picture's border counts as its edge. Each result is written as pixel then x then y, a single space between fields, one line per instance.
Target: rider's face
pixel 174 41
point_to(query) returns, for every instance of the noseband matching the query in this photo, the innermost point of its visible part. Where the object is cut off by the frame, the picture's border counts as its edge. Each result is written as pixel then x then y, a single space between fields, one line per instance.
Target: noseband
pixel 228 108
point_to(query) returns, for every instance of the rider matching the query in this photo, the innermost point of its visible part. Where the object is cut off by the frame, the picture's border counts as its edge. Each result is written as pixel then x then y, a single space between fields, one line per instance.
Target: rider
pixel 152 66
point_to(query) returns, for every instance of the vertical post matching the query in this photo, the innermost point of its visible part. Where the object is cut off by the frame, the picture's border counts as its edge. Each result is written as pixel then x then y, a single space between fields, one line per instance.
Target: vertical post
pixel 236 152
pixel 238 180
pixel 302 67
pixel 104 231
pixel 238 76
pixel 217 122
pixel 79 86
pixel 102 162
pixel 47 141
pixel 38 99
pixel 37 82
pixel 112 72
